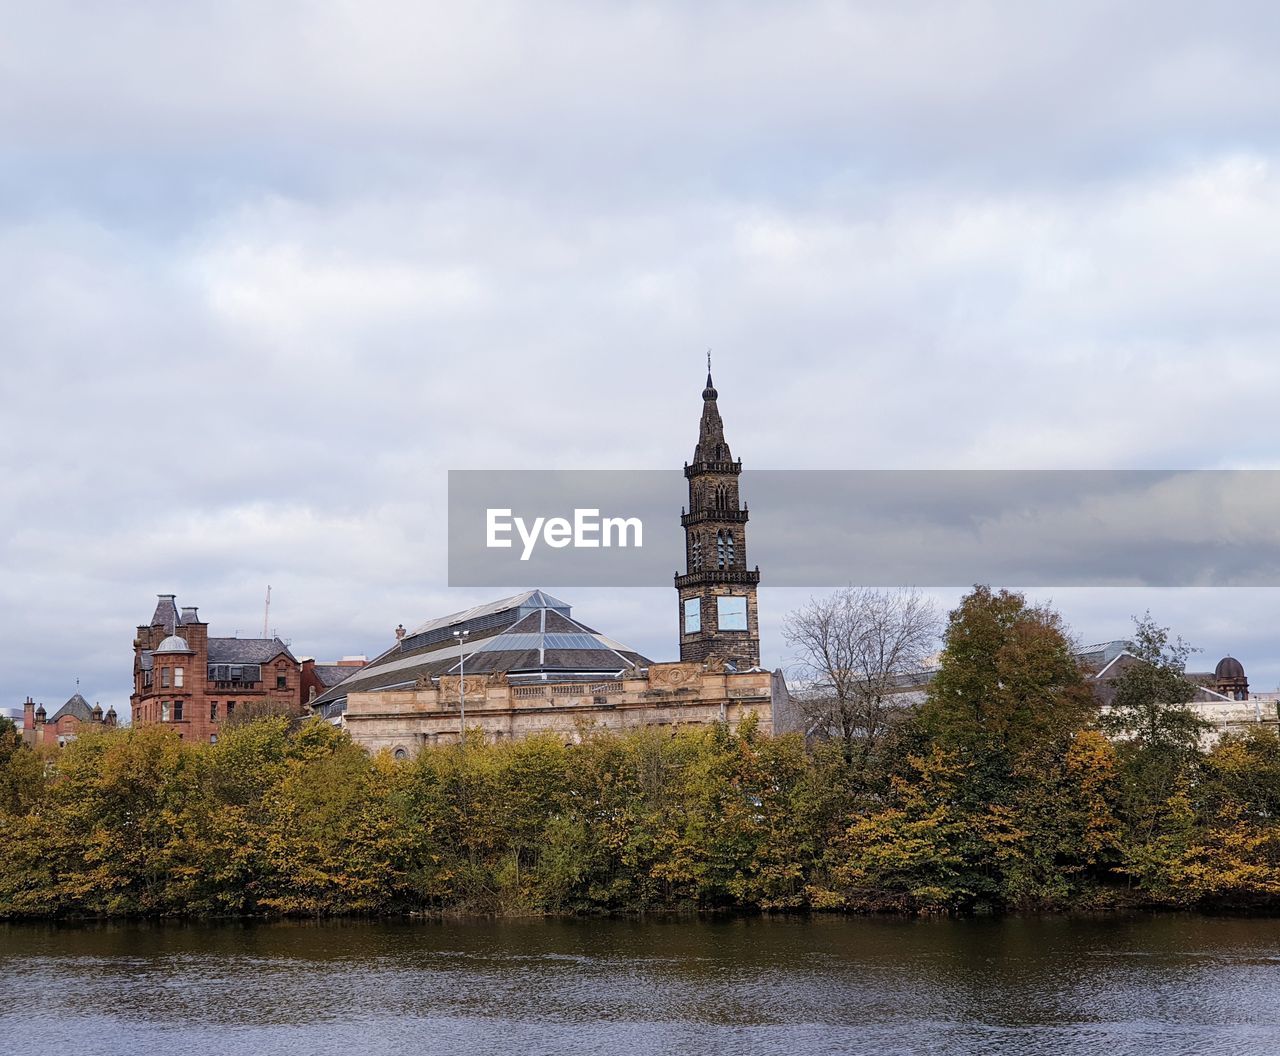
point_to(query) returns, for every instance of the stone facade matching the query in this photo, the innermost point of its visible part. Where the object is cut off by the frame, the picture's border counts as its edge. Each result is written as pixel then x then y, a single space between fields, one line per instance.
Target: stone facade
pixel 527 666
pixel 403 721
pixel 718 615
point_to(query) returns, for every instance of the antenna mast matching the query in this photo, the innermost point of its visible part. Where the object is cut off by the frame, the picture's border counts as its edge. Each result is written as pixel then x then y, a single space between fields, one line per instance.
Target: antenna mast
pixel 266 613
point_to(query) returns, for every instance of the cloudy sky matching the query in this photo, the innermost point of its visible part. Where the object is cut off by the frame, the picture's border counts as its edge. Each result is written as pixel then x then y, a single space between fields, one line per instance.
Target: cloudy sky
pixel 268 272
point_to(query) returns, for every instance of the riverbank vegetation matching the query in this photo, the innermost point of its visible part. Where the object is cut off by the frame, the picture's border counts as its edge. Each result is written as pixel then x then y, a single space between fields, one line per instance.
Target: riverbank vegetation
pixel 1004 790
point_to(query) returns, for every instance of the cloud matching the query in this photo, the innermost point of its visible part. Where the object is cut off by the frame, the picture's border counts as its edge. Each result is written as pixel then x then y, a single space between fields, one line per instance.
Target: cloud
pixel 267 273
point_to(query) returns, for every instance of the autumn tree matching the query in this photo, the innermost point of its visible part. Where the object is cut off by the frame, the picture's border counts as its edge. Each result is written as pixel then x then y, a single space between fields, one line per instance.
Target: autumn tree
pixel 1007 681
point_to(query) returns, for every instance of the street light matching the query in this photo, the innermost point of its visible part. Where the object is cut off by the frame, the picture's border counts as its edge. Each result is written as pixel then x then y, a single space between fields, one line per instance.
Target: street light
pixel 461 636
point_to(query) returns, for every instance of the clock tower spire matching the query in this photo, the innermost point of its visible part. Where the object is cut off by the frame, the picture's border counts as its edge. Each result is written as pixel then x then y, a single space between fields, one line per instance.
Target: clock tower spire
pixel 717 591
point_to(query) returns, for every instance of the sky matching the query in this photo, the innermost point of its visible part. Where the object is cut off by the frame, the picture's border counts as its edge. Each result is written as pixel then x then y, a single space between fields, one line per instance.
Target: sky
pixel 268 272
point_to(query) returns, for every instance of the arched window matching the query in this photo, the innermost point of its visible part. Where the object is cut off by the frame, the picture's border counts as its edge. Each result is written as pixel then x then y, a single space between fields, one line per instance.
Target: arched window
pixel 400 754
pixel 721 550
pixel 695 554
pixel 729 548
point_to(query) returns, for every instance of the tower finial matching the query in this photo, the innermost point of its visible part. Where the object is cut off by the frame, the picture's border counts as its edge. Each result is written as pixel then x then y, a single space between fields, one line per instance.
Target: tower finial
pixel 709 393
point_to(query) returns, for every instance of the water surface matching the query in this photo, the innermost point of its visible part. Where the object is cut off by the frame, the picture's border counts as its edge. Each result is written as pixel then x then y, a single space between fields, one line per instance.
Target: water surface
pixel 1168 984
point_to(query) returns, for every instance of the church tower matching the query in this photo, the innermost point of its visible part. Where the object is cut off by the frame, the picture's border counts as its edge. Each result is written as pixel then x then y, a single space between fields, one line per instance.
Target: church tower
pixel 718 614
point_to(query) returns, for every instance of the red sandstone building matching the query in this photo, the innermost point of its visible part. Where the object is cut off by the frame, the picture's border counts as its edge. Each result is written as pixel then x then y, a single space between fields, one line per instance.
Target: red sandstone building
pixel 66 723
pixel 194 683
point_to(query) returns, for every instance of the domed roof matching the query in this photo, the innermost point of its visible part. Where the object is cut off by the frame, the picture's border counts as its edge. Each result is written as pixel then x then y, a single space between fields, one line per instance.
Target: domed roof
pixel 173 644
pixel 1228 667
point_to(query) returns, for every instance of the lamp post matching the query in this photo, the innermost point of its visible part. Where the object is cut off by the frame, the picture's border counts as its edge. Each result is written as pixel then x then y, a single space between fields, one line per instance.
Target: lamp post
pixel 461 637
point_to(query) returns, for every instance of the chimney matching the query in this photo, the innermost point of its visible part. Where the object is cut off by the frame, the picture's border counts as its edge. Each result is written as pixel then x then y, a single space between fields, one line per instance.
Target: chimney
pixel 28 714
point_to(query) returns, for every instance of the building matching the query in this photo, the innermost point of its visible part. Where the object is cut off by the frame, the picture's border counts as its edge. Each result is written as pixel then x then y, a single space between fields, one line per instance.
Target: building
pixel 195 683
pixel 65 724
pixel 1221 697
pixel 524 664
pixel 717 591
pixel 319 678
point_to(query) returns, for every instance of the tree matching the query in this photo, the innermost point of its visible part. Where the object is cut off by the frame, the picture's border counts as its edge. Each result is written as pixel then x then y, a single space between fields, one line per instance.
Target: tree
pixel 855 649
pixel 1149 707
pixel 1007 680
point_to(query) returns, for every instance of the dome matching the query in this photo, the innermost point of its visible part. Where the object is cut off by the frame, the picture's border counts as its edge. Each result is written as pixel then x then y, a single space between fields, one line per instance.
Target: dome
pixel 1228 667
pixel 173 644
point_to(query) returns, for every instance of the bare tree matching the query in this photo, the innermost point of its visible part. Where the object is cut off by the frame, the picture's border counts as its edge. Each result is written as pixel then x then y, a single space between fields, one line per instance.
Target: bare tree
pixel 857 653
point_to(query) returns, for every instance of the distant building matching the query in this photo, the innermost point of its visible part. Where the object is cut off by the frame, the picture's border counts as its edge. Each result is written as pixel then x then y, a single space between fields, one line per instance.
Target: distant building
pixel 319 678
pixel 525 664
pixel 1221 697
pixel 195 683
pixel 65 724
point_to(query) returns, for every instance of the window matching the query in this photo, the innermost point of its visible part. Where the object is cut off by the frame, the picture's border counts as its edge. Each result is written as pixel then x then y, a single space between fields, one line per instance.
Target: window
pixel 177 678
pixel 164 711
pixel 724 549
pixel 400 753
pixel 177 711
pixel 213 738
pixel 731 612
pixel 231 707
pixel 692 615
pixel 213 711
pixel 695 557
pixel 164 678
pixel 282 680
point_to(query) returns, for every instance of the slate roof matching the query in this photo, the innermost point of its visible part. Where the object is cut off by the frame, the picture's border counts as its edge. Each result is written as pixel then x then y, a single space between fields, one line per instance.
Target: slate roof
pixel 77 707
pixel 529 636
pixel 331 674
pixel 246 650
pixel 166 614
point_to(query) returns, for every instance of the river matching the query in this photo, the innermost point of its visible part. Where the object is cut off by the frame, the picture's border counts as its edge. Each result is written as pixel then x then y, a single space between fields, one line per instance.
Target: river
pixel 1161 984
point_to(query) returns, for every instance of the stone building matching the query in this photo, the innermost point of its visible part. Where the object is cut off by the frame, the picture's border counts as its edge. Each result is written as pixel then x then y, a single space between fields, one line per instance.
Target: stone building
pixel 195 683
pixel 65 724
pixel 717 591
pixel 525 664
pixel 1221 697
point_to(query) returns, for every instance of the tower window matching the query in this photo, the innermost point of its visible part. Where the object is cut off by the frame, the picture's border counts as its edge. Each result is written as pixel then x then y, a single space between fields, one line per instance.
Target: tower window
pixel 720 550
pixel 729 548
pixel 731 612
pixel 164 711
pixel 692 615
pixel 177 711
pixel 177 678
pixel 695 555
pixel 164 678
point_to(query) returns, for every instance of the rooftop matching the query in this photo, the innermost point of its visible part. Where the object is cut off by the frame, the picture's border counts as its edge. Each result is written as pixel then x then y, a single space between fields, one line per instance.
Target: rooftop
pixel 530 636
